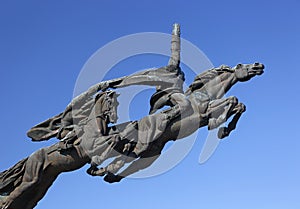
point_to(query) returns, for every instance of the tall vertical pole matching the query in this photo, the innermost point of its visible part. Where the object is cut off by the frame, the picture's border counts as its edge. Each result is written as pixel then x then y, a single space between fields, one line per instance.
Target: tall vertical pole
pixel 175 46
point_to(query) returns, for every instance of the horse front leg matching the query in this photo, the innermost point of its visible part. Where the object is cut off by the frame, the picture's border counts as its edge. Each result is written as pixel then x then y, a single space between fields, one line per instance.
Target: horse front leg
pixel 110 152
pixel 239 109
pixel 219 111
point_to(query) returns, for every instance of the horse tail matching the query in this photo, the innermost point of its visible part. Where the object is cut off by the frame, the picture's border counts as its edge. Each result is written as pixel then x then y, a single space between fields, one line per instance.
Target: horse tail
pixel 11 178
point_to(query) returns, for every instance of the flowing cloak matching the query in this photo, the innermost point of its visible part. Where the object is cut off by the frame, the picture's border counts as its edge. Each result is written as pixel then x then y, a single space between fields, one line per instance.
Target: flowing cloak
pixel 162 78
pixel 52 126
pixel 167 80
pixel 75 112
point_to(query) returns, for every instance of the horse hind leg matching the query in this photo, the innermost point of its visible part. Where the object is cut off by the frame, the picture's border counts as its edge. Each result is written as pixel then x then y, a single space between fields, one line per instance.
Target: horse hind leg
pixel 2 200
pixel 40 190
pixel 237 112
pixel 18 198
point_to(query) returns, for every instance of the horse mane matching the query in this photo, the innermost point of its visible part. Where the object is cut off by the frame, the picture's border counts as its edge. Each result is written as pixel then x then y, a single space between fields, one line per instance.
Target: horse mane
pixel 214 72
pixel 206 76
pixel 103 97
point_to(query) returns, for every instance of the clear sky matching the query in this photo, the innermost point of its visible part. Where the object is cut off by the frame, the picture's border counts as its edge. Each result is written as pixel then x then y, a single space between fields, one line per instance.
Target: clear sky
pixel 45 44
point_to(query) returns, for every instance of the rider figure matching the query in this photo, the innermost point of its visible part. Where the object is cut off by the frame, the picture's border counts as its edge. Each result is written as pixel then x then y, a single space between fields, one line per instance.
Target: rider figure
pixel 169 92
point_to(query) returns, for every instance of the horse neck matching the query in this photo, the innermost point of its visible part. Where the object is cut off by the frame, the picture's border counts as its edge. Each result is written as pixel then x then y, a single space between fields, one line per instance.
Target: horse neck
pixel 103 126
pixel 217 87
pixel 100 111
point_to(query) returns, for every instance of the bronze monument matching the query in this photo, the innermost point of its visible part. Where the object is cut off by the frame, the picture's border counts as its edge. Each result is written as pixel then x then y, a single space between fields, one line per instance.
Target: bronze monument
pixel 87 132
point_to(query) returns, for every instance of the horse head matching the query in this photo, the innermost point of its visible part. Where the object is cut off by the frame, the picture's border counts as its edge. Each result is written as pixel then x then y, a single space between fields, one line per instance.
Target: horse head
pixel 109 105
pixel 113 112
pixel 245 72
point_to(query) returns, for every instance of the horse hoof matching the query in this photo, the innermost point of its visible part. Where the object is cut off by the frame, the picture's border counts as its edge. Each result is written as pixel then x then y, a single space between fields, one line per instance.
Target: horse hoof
pixel 223 132
pixel 112 178
pixel 100 172
pixel 92 170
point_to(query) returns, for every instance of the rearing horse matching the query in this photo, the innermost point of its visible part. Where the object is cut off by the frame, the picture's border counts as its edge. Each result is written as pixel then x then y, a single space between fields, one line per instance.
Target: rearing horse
pixel 23 185
pixel 209 109
pixel 208 90
pixel 28 181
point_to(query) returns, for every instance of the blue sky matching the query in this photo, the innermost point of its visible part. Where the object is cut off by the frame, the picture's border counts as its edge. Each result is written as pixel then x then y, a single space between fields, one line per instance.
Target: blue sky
pixel 44 45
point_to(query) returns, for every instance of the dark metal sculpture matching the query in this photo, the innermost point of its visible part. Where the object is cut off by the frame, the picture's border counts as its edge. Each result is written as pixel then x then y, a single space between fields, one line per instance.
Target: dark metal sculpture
pixel 85 136
pixel 209 108
pixel 23 185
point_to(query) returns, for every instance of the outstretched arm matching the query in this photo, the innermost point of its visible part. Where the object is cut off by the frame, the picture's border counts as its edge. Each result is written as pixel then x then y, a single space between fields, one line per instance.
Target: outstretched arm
pixel 153 77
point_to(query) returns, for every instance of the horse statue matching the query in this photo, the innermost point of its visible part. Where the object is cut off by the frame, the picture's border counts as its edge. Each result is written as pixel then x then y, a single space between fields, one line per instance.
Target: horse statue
pixel 23 185
pixel 85 136
pixel 138 141
pixel 209 108
pixel 84 133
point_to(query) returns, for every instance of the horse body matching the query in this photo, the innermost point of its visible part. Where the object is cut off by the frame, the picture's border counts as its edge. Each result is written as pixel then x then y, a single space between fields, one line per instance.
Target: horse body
pixel 208 103
pixel 209 109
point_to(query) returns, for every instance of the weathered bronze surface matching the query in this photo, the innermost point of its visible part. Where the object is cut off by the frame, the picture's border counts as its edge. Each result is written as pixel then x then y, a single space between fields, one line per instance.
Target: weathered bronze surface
pixel 86 136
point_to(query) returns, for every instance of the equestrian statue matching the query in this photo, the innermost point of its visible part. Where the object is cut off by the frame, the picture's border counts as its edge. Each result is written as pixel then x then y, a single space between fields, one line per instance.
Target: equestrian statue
pixel 88 133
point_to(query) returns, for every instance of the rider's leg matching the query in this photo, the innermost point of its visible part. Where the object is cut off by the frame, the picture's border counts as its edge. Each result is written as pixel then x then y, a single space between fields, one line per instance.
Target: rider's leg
pixel 181 106
pixel 181 100
pixel 162 101
pixel 178 101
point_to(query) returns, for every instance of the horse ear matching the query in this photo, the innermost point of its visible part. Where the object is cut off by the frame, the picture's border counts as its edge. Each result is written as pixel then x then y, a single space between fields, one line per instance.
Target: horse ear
pixel 98 95
pixel 238 66
pixel 111 94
